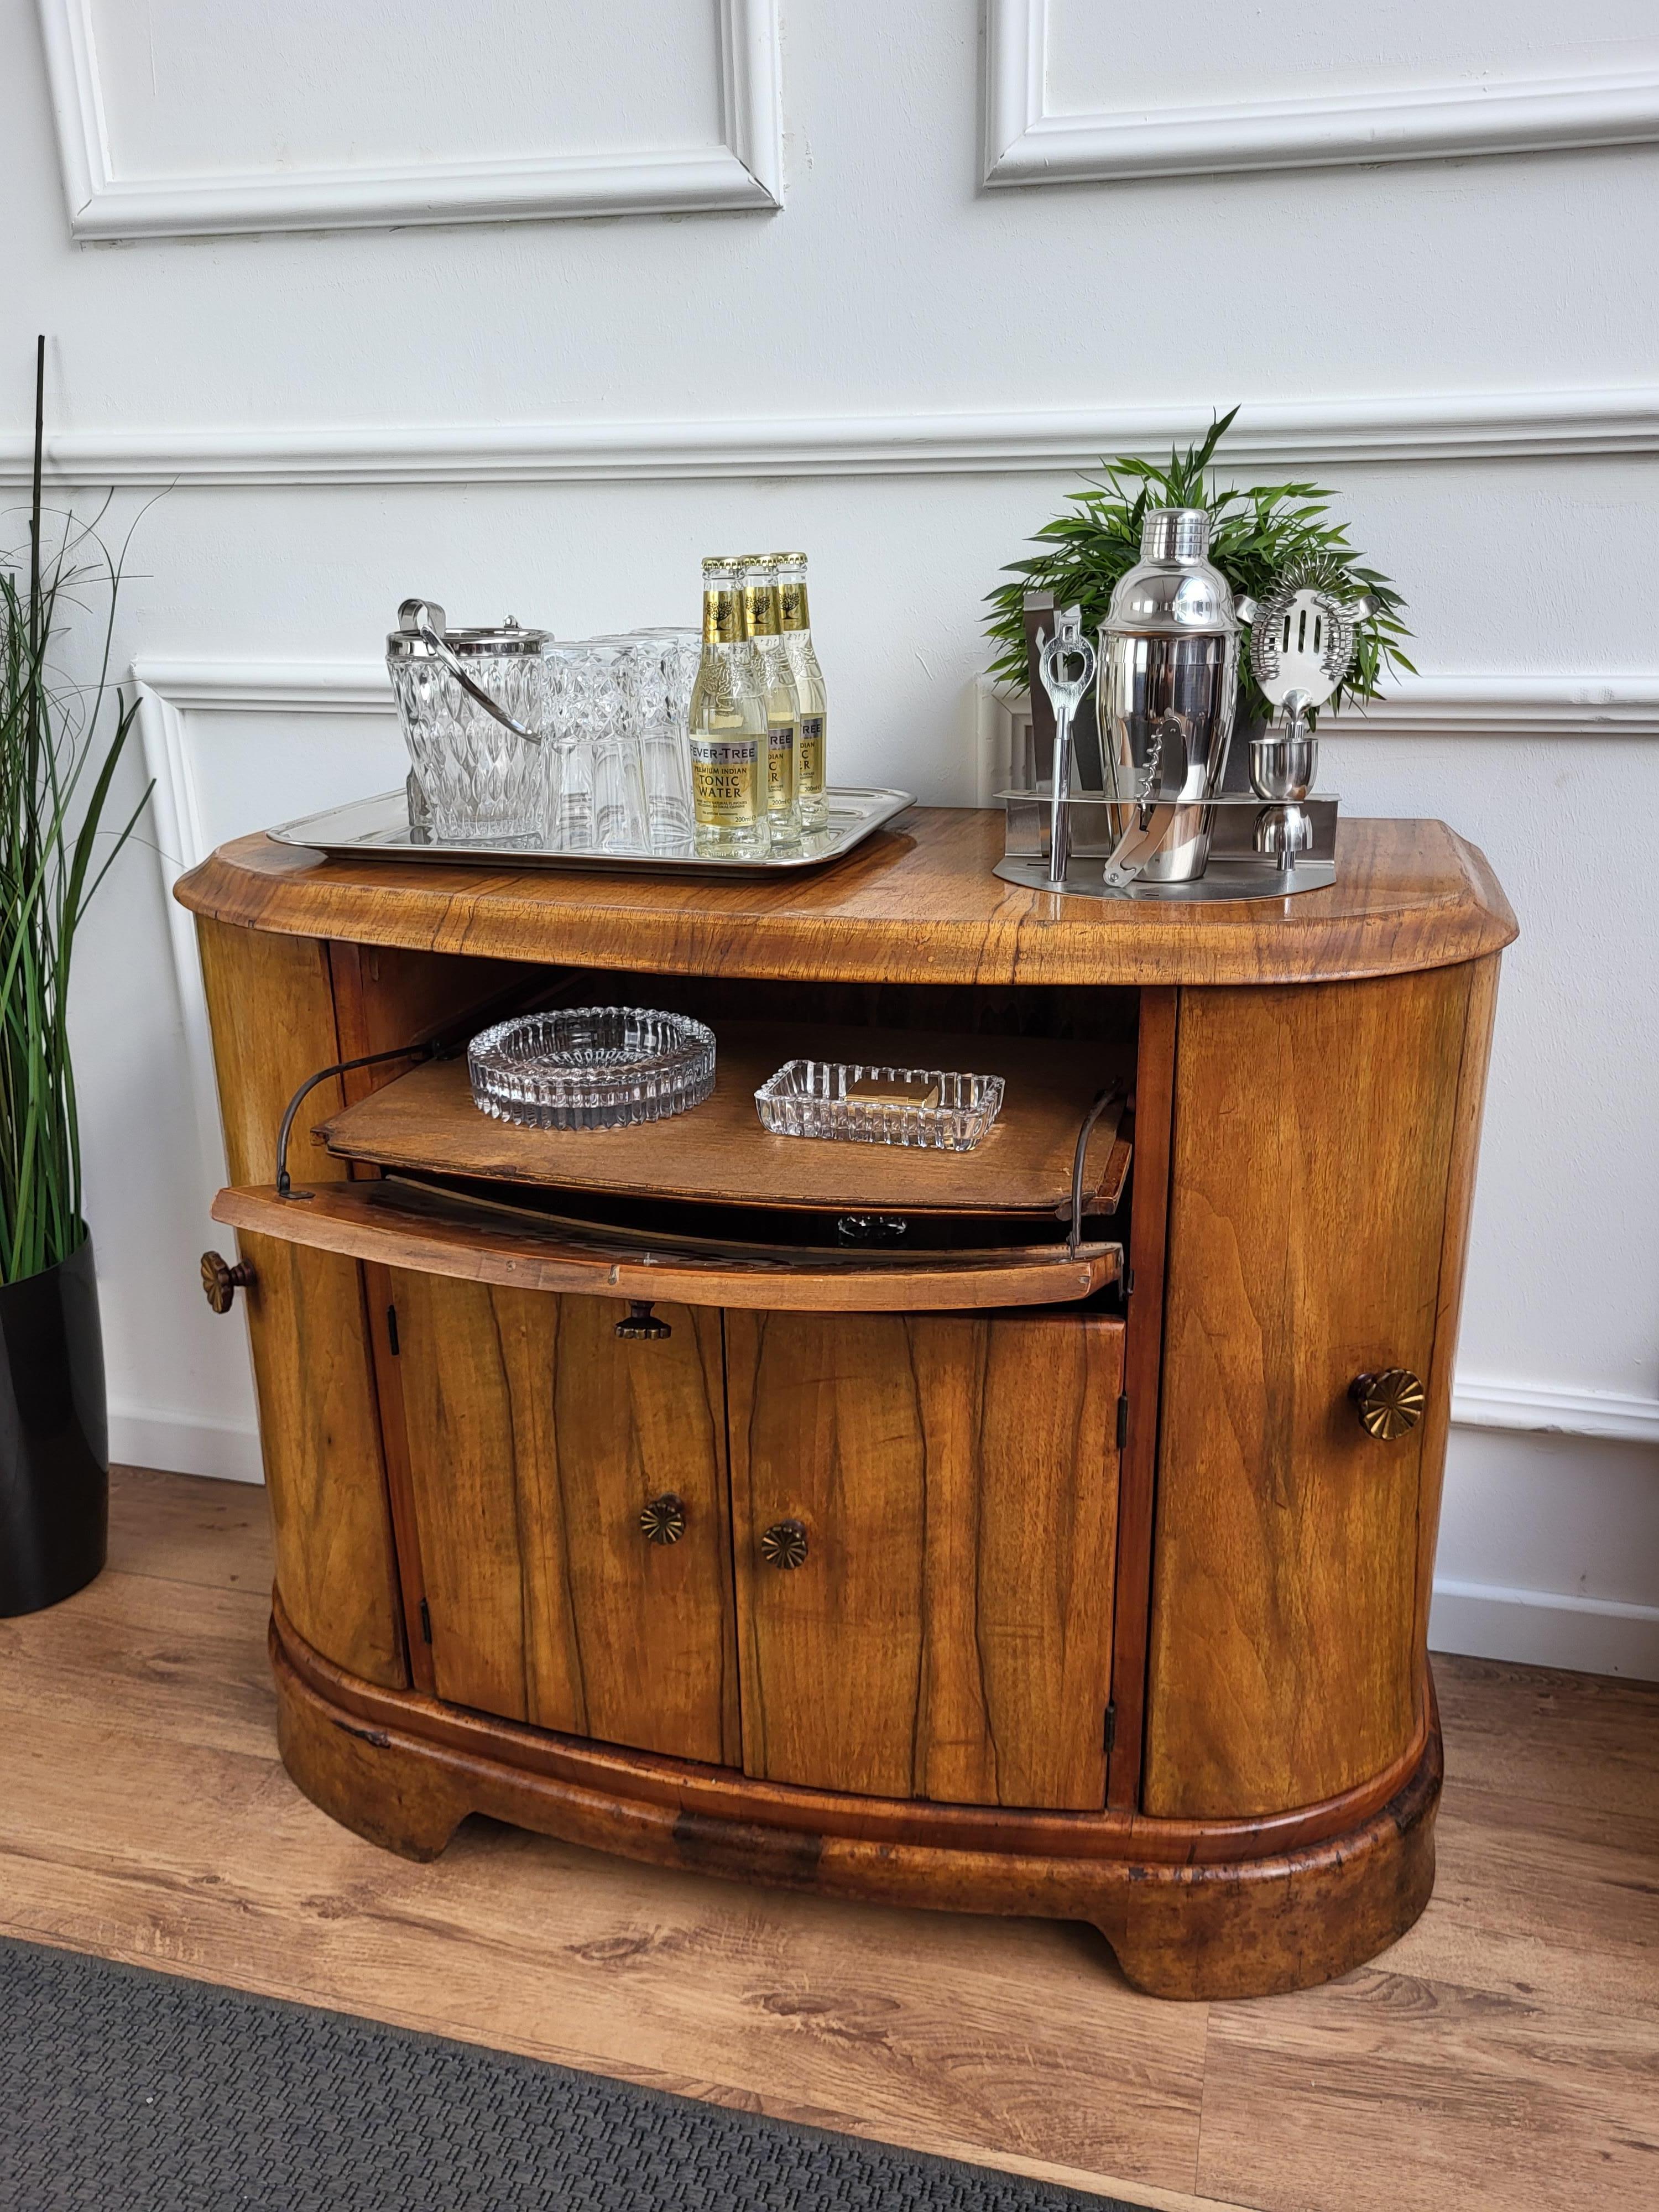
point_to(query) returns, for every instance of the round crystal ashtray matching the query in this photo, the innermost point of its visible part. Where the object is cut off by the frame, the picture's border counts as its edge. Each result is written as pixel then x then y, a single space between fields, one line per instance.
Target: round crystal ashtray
pixel 591 1068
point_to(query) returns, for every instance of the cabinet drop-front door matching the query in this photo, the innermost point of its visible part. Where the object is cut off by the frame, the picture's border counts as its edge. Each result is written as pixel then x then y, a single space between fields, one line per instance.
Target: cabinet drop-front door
pixel 570 1494
pixel 923 1511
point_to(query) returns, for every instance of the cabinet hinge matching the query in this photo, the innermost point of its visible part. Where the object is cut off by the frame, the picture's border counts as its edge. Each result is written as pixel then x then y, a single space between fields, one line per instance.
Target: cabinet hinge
pixel 1128 1282
pixel 1109 1734
pixel 426 1622
pixel 391 1333
pixel 1122 1421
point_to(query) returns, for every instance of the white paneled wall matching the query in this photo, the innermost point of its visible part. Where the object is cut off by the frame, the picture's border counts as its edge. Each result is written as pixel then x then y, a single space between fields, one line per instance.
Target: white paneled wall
pixel 529 306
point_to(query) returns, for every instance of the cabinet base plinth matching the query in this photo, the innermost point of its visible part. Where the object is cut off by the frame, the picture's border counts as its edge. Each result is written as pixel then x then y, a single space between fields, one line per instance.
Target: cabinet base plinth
pixel 393 1768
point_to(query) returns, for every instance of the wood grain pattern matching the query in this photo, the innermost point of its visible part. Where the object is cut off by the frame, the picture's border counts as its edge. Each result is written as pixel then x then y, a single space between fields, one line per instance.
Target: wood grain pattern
pixel 271 1004
pixel 536 1437
pixel 727 1794
pixel 185 1528
pixel 406 1228
pixel 384 997
pixel 142 1816
pixel 918 902
pixel 957 1482
pixel 1500 2089
pixel 1249 1929
pixel 719 1153
pixel 1154 1107
pixel 1313 1144
pixel 1448 1306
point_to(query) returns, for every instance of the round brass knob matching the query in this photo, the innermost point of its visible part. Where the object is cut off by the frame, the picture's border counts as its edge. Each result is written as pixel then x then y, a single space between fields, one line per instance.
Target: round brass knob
pixel 784 1544
pixel 220 1280
pixel 640 1322
pixel 662 1520
pixel 1390 1401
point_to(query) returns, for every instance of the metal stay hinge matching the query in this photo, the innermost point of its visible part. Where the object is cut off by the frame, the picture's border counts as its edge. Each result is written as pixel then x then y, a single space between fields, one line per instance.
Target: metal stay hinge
pixel 426 1622
pixel 1109 1734
pixel 1122 1420
pixel 392 1331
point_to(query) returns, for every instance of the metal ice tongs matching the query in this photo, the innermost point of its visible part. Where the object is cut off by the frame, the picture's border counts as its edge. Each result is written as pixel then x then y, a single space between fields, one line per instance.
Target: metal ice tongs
pixel 1065 695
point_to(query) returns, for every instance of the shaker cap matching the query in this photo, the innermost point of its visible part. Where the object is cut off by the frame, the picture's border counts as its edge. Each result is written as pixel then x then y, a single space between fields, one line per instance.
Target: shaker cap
pixel 1174 590
pixel 1175 534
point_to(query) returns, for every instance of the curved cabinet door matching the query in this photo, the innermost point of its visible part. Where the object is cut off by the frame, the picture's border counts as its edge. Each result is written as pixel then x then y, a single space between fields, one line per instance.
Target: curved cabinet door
pixel 1309 1242
pixel 538 1439
pixel 923 1515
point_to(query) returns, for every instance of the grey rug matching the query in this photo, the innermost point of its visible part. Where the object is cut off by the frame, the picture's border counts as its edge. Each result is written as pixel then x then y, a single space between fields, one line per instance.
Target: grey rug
pixel 127 2091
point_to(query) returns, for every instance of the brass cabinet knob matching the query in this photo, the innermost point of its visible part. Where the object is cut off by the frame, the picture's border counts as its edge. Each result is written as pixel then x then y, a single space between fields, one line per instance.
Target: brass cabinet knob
pixel 220 1280
pixel 640 1322
pixel 662 1520
pixel 784 1544
pixel 1390 1401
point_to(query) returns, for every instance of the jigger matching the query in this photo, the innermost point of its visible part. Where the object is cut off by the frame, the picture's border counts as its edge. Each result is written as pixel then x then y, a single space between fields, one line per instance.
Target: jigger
pixel 1066 694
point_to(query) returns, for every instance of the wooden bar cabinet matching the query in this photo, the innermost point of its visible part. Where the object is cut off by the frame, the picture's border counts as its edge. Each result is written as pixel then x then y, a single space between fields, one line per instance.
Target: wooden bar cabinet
pixel 1042 1529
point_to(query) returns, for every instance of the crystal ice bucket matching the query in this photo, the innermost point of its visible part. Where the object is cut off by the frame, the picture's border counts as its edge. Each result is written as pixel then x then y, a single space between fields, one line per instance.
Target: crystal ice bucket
pixel 475 715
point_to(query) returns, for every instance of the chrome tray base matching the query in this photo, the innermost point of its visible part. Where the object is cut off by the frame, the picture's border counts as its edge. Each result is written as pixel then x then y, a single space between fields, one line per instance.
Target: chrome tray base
pixel 381 826
pixel 1238 878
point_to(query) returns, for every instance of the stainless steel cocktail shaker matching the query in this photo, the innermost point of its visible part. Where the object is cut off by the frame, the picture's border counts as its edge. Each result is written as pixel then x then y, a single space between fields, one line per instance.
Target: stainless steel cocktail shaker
pixel 1169 684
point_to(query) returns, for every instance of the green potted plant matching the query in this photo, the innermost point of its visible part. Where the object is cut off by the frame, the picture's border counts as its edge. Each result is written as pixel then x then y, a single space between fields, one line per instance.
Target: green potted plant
pixel 1257 533
pixel 60 745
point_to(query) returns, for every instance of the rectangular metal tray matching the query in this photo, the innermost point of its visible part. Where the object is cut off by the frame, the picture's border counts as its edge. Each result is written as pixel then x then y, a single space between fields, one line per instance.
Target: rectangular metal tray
pixel 381 825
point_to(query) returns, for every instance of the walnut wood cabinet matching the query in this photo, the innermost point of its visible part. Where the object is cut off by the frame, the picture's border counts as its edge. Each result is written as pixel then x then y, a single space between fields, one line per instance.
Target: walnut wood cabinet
pixel 1047 1529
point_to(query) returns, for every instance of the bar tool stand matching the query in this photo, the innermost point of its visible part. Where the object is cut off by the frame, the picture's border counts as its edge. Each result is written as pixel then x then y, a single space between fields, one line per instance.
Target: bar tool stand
pixel 1164 828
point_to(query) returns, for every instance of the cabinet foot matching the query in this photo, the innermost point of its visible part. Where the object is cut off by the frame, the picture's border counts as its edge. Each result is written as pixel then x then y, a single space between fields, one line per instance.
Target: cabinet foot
pixel 1288 1922
pixel 1191 1910
pixel 365 1777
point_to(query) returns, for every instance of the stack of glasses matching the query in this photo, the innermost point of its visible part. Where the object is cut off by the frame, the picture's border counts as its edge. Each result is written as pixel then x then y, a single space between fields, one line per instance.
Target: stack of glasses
pixel 616 772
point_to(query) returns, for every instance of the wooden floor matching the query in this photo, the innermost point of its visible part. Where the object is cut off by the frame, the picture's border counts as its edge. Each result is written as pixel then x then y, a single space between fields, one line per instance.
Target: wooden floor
pixel 1505 2054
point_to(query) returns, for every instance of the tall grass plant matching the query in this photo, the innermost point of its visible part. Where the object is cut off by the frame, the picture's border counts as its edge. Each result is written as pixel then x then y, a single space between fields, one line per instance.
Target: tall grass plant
pixel 61 744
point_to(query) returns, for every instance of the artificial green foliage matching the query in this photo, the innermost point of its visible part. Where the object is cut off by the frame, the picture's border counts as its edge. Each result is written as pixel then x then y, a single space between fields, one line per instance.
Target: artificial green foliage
pixel 60 745
pixel 1257 533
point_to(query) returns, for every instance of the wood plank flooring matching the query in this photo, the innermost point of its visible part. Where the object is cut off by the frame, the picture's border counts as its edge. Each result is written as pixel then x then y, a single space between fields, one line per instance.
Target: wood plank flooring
pixel 1504 2054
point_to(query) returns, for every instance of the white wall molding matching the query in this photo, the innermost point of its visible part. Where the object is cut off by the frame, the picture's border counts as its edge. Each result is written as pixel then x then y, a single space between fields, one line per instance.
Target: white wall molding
pixel 1506 707
pixel 1551 1409
pixel 1441 426
pixel 1027 144
pixel 1545 1628
pixel 745 171
pixel 184 1443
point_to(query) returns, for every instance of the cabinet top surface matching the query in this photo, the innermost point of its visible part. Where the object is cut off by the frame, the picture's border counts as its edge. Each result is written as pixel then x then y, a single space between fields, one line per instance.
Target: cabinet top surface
pixel 917 903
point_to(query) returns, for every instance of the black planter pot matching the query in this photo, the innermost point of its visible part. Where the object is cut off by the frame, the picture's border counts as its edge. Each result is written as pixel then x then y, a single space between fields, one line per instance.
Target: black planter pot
pixel 54 1440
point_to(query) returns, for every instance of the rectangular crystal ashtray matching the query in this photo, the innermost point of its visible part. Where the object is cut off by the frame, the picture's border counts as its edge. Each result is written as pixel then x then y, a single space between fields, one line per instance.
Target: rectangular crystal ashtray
pixel 808 1098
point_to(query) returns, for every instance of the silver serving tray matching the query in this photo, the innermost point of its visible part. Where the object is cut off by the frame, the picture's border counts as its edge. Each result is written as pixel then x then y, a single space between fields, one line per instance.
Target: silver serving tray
pixel 381 825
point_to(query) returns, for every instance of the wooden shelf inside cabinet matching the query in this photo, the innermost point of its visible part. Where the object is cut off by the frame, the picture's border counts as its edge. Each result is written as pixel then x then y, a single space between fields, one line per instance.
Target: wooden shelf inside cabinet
pixel 437 1232
pixel 718 1153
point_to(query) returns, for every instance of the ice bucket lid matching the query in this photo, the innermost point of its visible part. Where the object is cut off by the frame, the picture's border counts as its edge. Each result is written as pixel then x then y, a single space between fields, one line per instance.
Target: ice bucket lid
pixel 406 643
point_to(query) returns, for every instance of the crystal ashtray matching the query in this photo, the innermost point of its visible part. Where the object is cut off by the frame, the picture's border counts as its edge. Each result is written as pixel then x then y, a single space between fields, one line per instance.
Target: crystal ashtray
pixel 808 1098
pixel 590 1068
